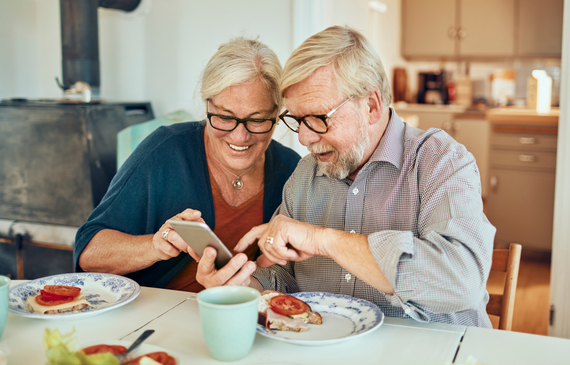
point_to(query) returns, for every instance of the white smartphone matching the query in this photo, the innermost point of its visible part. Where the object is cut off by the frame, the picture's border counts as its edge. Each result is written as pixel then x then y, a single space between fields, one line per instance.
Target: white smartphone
pixel 199 236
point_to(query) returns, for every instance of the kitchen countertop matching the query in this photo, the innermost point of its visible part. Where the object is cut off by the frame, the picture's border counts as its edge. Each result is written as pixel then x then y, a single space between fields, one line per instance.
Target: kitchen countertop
pixel 502 116
pixel 523 116
pixel 459 111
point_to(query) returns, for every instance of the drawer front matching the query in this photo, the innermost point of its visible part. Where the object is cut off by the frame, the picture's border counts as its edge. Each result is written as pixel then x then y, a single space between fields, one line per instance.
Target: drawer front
pixel 523 159
pixel 523 141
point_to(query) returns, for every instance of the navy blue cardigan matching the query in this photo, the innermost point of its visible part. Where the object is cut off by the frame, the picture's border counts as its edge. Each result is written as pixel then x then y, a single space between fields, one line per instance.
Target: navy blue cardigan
pixel 165 175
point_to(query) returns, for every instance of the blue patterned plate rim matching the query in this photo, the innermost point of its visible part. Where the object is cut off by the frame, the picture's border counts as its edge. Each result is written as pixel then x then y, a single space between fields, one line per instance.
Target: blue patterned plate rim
pixel 112 291
pixel 370 317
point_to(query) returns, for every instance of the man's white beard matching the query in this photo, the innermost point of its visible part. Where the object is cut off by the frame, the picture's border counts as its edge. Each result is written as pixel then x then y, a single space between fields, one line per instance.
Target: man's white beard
pixel 341 166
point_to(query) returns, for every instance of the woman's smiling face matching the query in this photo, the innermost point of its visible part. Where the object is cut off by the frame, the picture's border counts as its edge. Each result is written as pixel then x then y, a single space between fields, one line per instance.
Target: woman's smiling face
pixel 238 150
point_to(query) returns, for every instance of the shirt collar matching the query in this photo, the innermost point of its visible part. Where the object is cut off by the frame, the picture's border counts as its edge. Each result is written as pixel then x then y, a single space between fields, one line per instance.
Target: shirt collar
pixel 391 146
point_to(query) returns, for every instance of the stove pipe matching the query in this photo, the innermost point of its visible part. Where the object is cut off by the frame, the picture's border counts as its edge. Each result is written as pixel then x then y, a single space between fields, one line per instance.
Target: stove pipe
pixel 80 38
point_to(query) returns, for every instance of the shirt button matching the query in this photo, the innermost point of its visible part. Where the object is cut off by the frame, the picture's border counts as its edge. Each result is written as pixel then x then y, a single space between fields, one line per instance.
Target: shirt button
pixel 347 277
pixel 352 231
pixel 355 191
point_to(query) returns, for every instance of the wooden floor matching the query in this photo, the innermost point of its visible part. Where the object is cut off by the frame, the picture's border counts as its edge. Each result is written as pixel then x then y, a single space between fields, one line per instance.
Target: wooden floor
pixel 532 301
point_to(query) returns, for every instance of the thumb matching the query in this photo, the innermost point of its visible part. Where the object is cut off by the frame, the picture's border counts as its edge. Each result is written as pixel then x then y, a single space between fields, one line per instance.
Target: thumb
pixel 207 262
pixel 263 262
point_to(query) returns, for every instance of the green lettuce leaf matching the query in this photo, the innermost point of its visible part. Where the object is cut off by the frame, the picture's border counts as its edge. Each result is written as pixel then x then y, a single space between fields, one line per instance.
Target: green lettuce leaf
pixel 63 350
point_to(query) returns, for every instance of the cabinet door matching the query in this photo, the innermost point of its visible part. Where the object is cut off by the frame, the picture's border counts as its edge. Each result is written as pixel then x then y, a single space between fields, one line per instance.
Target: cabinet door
pixel 428 28
pixel 520 205
pixel 487 28
pixel 474 134
pixel 441 120
pixel 539 30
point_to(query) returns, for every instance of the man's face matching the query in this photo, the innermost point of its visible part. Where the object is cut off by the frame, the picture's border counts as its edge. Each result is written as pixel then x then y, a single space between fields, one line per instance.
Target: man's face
pixel 340 151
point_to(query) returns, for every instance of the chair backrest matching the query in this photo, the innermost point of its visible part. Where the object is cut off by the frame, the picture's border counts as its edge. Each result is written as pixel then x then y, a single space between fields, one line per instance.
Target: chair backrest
pixel 502 305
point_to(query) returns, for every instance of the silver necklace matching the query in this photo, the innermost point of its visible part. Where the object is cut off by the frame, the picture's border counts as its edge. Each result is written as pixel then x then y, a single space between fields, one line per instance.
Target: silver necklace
pixel 237 183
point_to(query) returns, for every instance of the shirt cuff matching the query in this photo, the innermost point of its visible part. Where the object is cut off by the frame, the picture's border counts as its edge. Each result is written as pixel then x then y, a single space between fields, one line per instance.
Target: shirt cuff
pixel 259 274
pixel 389 248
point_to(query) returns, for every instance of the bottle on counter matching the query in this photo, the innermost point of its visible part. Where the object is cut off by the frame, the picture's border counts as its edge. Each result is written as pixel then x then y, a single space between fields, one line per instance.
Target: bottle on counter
pixel 539 91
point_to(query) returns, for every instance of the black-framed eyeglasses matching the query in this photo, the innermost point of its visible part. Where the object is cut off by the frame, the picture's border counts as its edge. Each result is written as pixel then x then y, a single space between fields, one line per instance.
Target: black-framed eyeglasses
pixel 316 123
pixel 227 123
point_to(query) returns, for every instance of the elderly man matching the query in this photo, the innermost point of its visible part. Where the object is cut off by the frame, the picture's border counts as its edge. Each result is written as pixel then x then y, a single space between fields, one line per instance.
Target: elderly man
pixel 378 210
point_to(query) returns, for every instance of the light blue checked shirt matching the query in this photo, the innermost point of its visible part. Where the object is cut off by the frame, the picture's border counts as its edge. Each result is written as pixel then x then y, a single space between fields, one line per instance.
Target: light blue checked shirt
pixel 418 199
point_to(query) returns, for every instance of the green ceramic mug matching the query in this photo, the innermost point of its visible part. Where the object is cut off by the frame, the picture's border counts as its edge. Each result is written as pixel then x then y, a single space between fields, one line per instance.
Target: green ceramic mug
pixel 229 320
pixel 4 289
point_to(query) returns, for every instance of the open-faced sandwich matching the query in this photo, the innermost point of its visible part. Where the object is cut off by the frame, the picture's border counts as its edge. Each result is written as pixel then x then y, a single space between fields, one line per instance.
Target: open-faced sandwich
pixel 279 311
pixel 57 299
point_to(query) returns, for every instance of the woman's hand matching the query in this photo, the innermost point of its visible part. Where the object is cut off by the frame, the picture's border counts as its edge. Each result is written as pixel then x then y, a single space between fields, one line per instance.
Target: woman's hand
pixel 167 243
pixel 236 272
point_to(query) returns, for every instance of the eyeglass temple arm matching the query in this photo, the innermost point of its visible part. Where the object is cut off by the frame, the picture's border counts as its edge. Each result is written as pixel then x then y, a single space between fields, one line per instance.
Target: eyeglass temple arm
pixel 338 107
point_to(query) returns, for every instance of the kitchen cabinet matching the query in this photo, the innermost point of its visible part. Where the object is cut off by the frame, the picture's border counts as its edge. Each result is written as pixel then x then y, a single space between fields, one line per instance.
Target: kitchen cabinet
pixel 458 28
pixel 522 168
pixel 520 202
pixel 486 29
pixel 473 133
pixel 539 29
pixel 428 28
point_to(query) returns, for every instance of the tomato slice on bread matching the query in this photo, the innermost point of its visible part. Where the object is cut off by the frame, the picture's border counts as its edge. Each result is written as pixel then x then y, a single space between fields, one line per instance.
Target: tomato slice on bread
pixel 288 305
pixel 103 349
pixel 49 303
pixel 67 291
pixel 52 295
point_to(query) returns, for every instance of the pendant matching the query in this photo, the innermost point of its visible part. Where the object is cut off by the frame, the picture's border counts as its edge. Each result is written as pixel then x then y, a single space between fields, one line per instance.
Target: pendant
pixel 237 183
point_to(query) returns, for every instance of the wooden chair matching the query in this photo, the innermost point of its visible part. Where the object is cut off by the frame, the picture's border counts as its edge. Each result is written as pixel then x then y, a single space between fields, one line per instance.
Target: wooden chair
pixel 502 305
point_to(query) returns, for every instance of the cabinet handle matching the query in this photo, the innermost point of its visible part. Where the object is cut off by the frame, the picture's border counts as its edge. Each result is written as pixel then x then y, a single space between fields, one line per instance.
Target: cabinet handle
pixel 494 182
pixel 446 126
pixel 462 33
pixel 455 126
pixel 527 158
pixel 452 32
pixel 527 140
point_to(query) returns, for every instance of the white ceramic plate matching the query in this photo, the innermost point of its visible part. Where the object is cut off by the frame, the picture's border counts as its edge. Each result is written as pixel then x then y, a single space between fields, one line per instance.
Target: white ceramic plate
pixel 344 318
pixel 103 291
pixel 144 348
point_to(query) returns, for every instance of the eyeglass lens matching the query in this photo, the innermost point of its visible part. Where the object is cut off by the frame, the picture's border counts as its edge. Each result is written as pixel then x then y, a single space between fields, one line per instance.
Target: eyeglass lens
pixel 314 123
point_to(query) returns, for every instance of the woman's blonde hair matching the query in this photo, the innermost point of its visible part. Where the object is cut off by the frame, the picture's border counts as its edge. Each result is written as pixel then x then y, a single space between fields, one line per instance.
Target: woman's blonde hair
pixel 241 61
pixel 356 65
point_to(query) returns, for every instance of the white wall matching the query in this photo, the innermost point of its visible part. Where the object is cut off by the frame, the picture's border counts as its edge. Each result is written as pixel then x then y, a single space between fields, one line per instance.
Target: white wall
pixel 155 53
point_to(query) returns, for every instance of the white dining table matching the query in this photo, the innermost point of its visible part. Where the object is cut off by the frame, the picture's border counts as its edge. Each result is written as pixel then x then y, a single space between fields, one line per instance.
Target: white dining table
pixel 175 318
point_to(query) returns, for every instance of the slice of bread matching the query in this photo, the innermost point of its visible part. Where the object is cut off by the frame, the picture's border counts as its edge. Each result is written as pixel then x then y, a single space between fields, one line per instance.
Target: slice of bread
pixel 74 308
pixel 273 320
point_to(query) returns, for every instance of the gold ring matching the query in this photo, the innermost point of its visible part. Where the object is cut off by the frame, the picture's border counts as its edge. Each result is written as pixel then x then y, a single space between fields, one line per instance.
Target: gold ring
pixel 165 234
pixel 269 240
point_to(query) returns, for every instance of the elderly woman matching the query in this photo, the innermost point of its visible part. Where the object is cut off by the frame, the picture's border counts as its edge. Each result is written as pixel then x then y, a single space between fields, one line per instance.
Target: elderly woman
pixel 225 171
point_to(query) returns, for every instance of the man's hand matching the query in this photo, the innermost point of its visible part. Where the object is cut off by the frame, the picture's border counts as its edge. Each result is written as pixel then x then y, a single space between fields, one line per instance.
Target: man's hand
pixel 284 239
pixel 167 243
pixel 236 272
